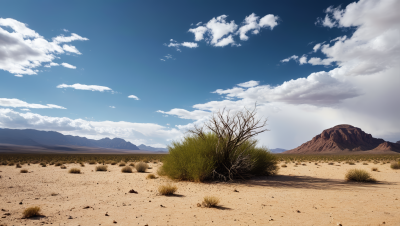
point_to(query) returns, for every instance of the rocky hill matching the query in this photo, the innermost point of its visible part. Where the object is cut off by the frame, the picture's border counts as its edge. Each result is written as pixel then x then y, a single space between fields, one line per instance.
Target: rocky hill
pixel 344 139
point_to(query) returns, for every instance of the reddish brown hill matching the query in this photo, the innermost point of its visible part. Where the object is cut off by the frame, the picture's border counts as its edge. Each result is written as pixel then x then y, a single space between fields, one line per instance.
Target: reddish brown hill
pixel 344 138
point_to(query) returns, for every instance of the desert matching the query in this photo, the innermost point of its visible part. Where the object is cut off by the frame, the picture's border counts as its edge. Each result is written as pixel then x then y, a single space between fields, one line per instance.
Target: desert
pixel 303 194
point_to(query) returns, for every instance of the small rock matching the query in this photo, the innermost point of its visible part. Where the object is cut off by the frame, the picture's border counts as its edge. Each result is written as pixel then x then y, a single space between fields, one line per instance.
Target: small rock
pixel 235 190
pixel 70 217
pixel 162 206
pixel 86 207
pixel 133 191
pixel 114 222
pixel 20 203
pixel 198 205
pixel 298 211
pixel 7 214
pixel 107 214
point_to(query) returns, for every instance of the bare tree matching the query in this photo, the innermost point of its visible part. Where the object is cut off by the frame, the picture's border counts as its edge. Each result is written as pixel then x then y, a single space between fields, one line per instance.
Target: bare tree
pixel 233 130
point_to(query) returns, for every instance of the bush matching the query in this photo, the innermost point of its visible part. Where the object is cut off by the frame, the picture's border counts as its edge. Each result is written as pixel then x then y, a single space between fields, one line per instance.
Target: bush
pixel 101 168
pixel 58 164
pixel 141 167
pixel 167 189
pixel 31 212
pixel 122 164
pixel 92 162
pixel 132 164
pixel 126 169
pixel 63 167
pixel 196 159
pixel 284 165
pixel 113 163
pixel 18 166
pixel 151 176
pixel 359 175
pixel 75 170
pixel 374 169
pixel 23 171
pixel 395 165
pixel 210 201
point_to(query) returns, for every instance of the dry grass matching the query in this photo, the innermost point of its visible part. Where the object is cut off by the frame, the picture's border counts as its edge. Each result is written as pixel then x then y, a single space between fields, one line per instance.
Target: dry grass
pixel 151 176
pixel 210 201
pixel 63 167
pixel 101 168
pixel 132 164
pixel 58 164
pixel 74 170
pixel 284 165
pixel 141 167
pixel 126 169
pixel 24 171
pixel 18 166
pixel 395 165
pixel 374 169
pixel 113 163
pixel 167 189
pixel 31 212
pixel 92 162
pixel 122 164
pixel 359 175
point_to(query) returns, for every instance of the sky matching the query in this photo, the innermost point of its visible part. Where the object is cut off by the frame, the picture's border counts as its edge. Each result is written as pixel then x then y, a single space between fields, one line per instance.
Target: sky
pixel 147 71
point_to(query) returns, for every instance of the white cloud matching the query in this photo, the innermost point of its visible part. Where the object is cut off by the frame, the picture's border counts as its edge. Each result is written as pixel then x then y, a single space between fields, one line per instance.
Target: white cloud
pixel 219 33
pixel 71 49
pixel 65 30
pixel 24 50
pixel 190 44
pixel 133 97
pixel 67 65
pixel 137 133
pixel 168 56
pixel 303 59
pixel 249 84
pixel 198 24
pixel 85 87
pixel 20 76
pixel 51 64
pixel 16 103
pixel 316 47
pixel 162 59
pixel 294 57
pixel 25 109
pixel 112 106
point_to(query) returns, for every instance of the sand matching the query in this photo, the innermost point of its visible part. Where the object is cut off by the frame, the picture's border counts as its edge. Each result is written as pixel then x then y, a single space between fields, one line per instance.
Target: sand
pixel 303 195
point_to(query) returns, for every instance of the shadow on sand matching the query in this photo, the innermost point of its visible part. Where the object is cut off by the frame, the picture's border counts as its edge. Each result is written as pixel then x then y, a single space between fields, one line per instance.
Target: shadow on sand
pixel 307 182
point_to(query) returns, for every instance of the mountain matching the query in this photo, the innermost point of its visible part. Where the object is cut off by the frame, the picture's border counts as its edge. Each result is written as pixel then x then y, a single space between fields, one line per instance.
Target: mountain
pixel 344 139
pixel 148 148
pixel 398 142
pixel 277 150
pixel 31 137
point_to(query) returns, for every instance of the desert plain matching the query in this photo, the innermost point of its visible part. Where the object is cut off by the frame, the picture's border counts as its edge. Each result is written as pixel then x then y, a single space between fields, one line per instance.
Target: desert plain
pixel 306 194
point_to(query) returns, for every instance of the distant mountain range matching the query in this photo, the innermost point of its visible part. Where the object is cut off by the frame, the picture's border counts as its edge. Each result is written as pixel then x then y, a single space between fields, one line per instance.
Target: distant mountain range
pixel 345 139
pixel 31 137
pixel 277 150
pixel 148 148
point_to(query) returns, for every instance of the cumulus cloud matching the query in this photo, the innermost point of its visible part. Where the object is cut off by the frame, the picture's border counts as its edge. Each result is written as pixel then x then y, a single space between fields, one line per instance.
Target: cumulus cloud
pixel 137 133
pixel 219 33
pixel 249 84
pixel 16 103
pixel 303 59
pixel 85 87
pixel 112 106
pixel 133 97
pixel 294 57
pixel 67 65
pixel 23 50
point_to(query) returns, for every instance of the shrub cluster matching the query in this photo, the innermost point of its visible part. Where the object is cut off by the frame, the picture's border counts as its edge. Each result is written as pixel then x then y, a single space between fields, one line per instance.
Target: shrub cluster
pixel 141 167
pixel 359 175
pixel 101 168
pixel 31 212
pixel 167 189
pixel 198 159
pixel 395 165
pixel 126 169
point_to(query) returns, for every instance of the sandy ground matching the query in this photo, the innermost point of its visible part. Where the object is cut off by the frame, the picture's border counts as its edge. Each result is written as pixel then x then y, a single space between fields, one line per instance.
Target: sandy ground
pixel 303 195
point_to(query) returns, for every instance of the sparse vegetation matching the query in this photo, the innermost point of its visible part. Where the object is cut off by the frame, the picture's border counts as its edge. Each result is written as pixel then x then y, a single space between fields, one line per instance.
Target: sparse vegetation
pixel 374 169
pixel 31 212
pixel 122 164
pixel 63 167
pixel 151 176
pixel 18 165
pixel 101 168
pixel 132 164
pixel 113 163
pixel 74 170
pixel 283 165
pixel 359 175
pixel 23 171
pixel 58 164
pixel 126 169
pixel 210 201
pixel 167 189
pixel 92 162
pixel 141 167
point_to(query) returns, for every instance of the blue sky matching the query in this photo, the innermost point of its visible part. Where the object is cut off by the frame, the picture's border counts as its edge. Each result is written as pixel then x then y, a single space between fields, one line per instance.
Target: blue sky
pixel 71 66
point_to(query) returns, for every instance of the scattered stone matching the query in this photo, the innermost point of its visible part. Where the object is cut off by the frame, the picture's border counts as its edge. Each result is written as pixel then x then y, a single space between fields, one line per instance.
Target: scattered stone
pixel 235 190
pixel 198 205
pixel 20 203
pixel 70 217
pixel 86 207
pixel 107 214
pixel 298 211
pixel 7 214
pixel 133 191
pixel 114 222
pixel 162 206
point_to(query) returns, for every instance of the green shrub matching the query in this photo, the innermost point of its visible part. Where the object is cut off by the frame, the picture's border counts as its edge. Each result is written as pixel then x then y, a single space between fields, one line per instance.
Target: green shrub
pixel 197 159
pixel 141 167
pixel 31 212
pixel 75 170
pixel 101 168
pixel 359 175
pixel 126 169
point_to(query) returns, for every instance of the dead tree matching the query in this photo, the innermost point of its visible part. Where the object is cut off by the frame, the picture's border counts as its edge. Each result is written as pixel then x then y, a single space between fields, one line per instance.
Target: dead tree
pixel 233 130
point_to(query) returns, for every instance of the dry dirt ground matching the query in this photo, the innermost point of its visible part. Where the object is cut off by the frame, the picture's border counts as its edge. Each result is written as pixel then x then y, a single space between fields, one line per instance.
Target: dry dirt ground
pixel 303 195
